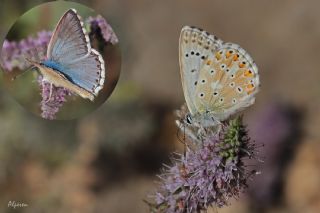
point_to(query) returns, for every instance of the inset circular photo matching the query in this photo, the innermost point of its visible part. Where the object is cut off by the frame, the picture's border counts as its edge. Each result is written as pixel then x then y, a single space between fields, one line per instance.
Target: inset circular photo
pixel 61 60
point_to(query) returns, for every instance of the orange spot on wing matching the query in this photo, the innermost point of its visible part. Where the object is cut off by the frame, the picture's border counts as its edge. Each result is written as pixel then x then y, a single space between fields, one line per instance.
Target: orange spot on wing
pixel 228 54
pixel 241 65
pixel 250 86
pixel 209 62
pixel 235 57
pixel 248 73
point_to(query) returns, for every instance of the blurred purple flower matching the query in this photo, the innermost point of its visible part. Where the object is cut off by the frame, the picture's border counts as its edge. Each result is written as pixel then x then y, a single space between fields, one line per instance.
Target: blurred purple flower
pixel 14 53
pixel 51 105
pixel 276 127
pixel 99 25
pixel 208 175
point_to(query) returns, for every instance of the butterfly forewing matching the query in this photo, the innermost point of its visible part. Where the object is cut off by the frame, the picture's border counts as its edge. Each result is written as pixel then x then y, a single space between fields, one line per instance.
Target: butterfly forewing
pixel 69 40
pixel 194 47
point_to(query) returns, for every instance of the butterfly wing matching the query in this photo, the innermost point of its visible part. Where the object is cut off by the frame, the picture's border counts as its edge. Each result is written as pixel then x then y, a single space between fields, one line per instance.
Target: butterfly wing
pixel 88 73
pixel 70 48
pixel 69 40
pixel 229 80
pixel 194 46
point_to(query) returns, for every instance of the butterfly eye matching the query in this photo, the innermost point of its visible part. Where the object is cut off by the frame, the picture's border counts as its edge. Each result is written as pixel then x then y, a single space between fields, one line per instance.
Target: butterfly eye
pixel 189 119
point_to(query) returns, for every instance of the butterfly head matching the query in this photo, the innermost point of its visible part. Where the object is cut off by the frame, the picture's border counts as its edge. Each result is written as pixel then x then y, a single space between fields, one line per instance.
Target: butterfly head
pixel 33 63
pixel 203 120
pixel 188 119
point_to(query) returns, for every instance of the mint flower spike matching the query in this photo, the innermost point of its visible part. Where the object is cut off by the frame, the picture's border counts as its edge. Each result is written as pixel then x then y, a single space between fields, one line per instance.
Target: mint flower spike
pixel 210 173
pixel 14 54
pixel 98 25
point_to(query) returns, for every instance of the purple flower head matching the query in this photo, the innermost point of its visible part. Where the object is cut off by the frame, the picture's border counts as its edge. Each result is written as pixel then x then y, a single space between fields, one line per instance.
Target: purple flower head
pixel 100 27
pixel 50 105
pixel 208 174
pixel 14 55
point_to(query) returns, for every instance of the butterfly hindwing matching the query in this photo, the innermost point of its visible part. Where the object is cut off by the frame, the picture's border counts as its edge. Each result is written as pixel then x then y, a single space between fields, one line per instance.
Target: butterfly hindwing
pixel 229 82
pixel 88 73
pixel 194 47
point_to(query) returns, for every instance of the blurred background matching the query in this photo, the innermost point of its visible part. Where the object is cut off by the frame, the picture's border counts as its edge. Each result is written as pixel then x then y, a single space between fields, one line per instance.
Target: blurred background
pixel 107 161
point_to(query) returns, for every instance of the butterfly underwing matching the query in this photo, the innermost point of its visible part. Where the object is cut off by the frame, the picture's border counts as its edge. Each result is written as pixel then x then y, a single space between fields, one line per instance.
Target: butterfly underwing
pixel 219 79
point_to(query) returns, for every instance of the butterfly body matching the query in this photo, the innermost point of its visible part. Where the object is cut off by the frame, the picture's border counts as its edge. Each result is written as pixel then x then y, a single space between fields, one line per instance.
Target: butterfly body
pixel 71 61
pixel 60 80
pixel 218 78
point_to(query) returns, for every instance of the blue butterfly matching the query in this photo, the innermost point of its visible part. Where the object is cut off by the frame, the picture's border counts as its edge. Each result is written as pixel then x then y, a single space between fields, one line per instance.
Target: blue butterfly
pixel 71 62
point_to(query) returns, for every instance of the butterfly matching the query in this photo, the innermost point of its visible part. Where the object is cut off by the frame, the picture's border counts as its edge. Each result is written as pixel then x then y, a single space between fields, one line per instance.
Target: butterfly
pixel 71 62
pixel 219 79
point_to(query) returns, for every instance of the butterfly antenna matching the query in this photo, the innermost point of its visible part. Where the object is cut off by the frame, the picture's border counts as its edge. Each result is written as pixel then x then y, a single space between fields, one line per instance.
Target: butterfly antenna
pixel 184 141
pixel 178 130
pixel 20 74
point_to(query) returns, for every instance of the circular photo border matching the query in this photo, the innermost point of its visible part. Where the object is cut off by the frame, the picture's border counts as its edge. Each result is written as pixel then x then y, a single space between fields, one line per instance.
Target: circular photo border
pixel 61 60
